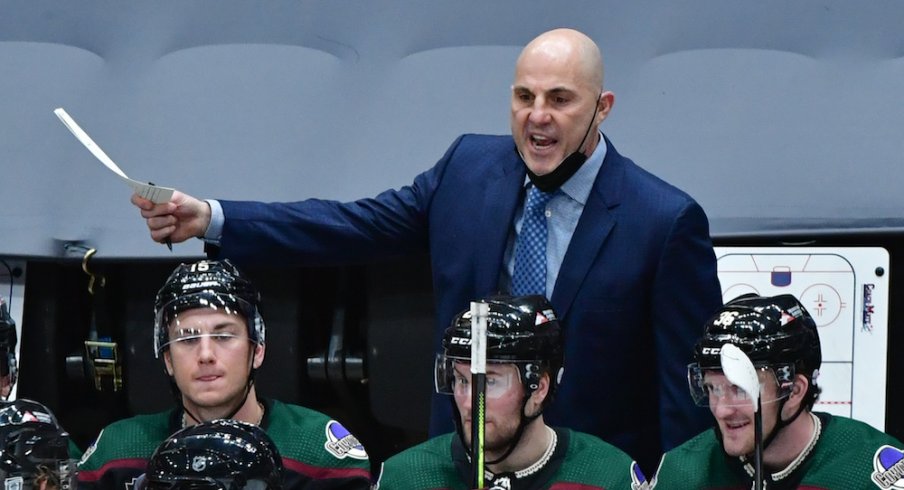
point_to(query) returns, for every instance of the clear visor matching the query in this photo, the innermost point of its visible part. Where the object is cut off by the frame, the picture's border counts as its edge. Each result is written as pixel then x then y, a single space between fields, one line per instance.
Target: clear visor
pixel 709 386
pixel 453 377
pixel 189 338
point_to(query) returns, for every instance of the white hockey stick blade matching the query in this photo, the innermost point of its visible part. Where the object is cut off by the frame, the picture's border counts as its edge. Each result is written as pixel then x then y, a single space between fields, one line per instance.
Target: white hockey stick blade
pixel 740 371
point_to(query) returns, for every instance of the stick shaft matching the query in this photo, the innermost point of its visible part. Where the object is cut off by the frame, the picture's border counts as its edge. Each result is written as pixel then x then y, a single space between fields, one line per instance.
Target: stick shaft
pixel 479 313
pixel 758 444
pixel 478 421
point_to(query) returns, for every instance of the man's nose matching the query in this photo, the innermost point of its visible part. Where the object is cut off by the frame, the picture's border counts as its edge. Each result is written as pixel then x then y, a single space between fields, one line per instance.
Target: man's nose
pixel 205 349
pixel 721 407
pixel 464 401
pixel 539 113
pixel 539 116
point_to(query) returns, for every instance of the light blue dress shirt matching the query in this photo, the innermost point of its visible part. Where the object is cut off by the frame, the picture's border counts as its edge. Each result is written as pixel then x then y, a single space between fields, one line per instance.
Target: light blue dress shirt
pixel 562 214
pixel 215 228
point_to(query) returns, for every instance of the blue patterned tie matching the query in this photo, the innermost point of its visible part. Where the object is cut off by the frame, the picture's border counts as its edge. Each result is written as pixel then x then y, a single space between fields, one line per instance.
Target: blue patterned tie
pixel 529 274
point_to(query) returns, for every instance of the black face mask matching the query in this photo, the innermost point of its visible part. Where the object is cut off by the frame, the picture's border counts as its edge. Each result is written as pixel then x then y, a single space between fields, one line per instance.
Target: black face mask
pixel 553 180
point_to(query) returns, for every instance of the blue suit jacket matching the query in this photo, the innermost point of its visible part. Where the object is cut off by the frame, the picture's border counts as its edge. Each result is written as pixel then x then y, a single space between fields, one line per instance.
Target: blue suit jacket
pixel 636 284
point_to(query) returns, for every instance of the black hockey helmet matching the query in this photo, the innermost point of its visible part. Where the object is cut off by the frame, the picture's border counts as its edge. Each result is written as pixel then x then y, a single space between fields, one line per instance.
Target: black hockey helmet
pixel 8 340
pixel 33 447
pixel 220 454
pixel 522 330
pixel 215 284
pixel 775 332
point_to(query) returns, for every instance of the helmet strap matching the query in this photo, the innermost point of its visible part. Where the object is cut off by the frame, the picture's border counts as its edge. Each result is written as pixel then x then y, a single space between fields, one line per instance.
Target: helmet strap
pixel 780 424
pixel 523 422
pixel 248 385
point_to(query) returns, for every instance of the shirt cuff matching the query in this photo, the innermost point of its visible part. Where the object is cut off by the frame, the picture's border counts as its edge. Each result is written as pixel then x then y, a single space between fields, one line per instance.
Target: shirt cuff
pixel 215 228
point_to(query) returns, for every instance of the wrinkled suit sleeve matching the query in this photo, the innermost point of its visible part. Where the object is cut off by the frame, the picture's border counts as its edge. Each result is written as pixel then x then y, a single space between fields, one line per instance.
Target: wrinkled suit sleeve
pixel 317 232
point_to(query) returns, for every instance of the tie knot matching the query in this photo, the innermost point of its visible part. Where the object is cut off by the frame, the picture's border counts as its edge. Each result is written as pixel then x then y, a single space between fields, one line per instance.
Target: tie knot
pixel 537 199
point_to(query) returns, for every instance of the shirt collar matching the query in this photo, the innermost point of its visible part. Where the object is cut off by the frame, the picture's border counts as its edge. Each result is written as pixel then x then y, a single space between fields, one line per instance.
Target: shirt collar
pixel 580 184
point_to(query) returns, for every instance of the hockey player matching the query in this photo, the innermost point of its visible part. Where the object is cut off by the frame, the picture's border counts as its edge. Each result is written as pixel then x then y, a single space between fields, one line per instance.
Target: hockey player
pixel 34 449
pixel 801 449
pixel 220 454
pixel 8 340
pixel 524 365
pixel 210 334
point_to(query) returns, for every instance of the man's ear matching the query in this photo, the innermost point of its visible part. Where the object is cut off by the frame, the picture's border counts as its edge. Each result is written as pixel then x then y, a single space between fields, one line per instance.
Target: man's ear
pixel 168 362
pixel 798 393
pixel 259 351
pixel 540 394
pixel 604 105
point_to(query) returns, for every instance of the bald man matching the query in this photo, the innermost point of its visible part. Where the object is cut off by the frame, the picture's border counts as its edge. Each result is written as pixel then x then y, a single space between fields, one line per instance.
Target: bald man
pixel 625 258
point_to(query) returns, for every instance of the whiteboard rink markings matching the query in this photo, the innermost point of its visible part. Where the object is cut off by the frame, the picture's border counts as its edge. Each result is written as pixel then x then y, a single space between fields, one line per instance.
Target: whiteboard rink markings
pixel 849 301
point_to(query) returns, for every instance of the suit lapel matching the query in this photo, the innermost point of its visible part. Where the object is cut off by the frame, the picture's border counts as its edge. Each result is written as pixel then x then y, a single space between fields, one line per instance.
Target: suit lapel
pixel 501 195
pixel 593 228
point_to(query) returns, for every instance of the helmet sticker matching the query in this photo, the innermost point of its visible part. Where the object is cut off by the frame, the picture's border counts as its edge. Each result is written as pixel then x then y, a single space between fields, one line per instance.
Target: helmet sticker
pixel 460 341
pixel 198 463
pixel 545 316
pixel 341 443
pixel 14 483
pixel 726 318
pixel 888 464
pixel 30 416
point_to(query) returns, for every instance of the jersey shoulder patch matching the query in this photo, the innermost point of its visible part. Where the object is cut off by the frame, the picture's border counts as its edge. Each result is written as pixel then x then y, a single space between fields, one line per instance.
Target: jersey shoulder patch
pixel 888 468
pixel 341 443
pixel 91 449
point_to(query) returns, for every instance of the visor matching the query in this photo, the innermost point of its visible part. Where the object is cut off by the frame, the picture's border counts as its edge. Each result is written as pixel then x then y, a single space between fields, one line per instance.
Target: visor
pixel 452 376
pixel 709 386
pixel 189 338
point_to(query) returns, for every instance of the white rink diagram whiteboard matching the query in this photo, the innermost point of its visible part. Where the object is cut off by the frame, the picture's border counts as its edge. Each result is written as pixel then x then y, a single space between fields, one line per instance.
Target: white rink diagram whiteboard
pixel 845 289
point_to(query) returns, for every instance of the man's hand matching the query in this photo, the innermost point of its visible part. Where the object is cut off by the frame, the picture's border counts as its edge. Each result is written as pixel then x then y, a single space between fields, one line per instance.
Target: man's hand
pixel 181 218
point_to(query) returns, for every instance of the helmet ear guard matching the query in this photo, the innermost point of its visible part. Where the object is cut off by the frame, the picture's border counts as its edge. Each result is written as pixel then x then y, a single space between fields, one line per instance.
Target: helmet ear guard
pixel 531 375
